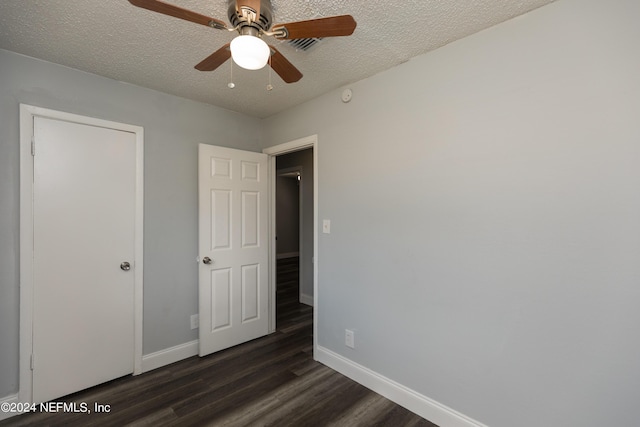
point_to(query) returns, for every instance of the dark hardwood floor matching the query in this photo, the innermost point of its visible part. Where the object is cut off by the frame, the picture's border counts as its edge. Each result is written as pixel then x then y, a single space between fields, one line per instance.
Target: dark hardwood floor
pixel 271 381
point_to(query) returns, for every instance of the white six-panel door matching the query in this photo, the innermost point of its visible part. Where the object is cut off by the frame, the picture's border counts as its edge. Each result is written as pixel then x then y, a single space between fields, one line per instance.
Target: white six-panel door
pixel 84 226
pixel 233 247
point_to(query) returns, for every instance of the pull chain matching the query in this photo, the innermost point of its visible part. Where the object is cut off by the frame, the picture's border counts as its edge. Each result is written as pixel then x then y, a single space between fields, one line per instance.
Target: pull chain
pixel 231 84
pixel 269 86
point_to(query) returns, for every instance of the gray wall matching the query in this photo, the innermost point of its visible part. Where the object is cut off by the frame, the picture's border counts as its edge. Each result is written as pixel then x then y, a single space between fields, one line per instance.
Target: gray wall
pixel 485 218
pixel 484 204
pixel 304 158
pixel 173 128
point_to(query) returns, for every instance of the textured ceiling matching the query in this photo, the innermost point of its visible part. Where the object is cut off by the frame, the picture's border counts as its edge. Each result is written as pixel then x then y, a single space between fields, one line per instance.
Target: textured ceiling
pixel 115 39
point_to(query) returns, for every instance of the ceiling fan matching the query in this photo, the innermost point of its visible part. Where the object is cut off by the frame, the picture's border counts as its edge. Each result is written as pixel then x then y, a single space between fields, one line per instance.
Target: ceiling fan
pixel 252 19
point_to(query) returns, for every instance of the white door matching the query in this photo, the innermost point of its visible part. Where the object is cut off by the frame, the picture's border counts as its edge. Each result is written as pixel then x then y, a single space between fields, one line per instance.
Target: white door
pixel 83 221
pixel 233 247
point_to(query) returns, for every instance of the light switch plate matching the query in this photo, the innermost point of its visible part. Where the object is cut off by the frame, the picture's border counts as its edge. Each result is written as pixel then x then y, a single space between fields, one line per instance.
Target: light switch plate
pixel 326 226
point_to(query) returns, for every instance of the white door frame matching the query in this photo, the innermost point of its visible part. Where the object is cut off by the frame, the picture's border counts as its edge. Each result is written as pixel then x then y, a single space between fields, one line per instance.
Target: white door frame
pixel 289 147
pixel 27 115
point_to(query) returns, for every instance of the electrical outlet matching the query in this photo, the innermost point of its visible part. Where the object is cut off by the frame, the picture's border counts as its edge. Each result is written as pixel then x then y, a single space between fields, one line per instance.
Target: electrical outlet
pixel 349 339
pixel 195 321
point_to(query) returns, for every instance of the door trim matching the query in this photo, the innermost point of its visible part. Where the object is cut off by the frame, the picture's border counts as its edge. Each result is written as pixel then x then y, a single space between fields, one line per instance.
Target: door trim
pixel 276 150
pixel 27 115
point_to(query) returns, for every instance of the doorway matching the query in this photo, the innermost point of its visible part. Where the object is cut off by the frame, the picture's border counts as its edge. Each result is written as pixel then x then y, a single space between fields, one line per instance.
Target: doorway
pixel 290 225
pixel 307 249
pixel 294 223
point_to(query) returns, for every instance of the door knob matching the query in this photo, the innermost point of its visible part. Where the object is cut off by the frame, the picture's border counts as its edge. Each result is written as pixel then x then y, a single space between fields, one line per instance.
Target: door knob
pixel 125 266
pixel 207 260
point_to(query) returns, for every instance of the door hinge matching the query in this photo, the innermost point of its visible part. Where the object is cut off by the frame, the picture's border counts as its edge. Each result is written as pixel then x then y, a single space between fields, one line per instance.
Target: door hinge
pixel 33 146
pixel 33 363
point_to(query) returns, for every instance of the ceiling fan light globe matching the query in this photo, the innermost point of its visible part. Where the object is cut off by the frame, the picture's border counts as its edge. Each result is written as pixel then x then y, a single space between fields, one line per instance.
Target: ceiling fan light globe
pixel 250 52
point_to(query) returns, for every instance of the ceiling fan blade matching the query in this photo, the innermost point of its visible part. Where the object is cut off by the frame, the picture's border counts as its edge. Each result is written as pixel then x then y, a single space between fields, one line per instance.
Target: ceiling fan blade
pixel 333 26
pixel 178 12
pixel 252 4
pixel 283 67
pixel 215 60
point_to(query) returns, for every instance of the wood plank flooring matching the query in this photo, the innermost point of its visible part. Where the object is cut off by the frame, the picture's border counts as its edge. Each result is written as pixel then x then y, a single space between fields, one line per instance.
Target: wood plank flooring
pixel 271 381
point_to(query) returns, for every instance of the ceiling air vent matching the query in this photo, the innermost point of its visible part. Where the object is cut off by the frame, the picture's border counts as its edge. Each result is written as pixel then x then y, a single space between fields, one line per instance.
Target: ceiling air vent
pixel 304 44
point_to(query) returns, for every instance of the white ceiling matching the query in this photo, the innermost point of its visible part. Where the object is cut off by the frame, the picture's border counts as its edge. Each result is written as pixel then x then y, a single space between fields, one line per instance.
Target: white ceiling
pixel 115 39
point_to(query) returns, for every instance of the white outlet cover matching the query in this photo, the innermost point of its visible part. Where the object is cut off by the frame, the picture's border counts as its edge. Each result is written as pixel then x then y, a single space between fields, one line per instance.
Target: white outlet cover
pixel 195 321
pixel 349 338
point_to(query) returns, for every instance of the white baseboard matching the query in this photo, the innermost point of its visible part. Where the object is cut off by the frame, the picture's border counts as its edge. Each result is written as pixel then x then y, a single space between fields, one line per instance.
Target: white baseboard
pixel 306 299
pixel 12 398
pixel 169 355
pixel 149 362
pixel 403 396
pixel 287 255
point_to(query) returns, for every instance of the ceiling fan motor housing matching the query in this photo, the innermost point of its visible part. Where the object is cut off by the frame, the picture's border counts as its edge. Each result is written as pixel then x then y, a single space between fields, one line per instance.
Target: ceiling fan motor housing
pixel 253 19
pixel 263 22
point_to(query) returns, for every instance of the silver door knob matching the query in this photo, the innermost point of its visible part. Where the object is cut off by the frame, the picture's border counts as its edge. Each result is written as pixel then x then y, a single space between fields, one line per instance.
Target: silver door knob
pixel 207 260
pixel 125 266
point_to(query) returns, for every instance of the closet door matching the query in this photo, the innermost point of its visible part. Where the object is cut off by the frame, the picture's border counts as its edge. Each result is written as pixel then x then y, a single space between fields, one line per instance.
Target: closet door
pixel 83 260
